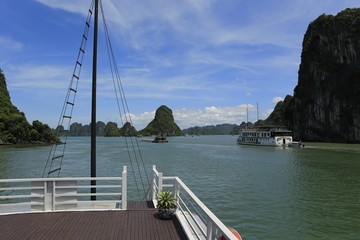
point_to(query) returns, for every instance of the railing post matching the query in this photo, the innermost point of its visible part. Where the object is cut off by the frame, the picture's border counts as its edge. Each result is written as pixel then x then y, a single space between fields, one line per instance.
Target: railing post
pixel 160 182
pixel 176 191
pixel 211 230
pixel 124 189
pixel 53 196
pixel 45 195
pixel 154 183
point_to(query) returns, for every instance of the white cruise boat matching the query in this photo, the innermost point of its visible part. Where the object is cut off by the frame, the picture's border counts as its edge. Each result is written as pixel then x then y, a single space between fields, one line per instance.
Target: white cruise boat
pixel 266 136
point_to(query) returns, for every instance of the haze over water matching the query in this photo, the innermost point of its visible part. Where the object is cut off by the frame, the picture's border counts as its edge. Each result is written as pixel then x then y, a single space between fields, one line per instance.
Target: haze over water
pixel 263 192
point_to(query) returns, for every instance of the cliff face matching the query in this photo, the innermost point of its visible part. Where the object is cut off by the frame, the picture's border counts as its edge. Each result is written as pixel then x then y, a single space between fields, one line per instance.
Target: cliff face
pixel 327 97
pixel 282 114
pixel 128 130
pixel 163 124
pixel 326 102
pixel 14 128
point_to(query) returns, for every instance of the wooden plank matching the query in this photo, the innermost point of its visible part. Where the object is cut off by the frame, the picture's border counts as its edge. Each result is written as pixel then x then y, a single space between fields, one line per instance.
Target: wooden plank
pixel 131 224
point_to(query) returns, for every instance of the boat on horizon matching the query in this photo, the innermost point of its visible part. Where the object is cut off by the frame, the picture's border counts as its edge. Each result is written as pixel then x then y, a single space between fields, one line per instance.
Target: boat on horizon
pixel 156 139
pixel 277 136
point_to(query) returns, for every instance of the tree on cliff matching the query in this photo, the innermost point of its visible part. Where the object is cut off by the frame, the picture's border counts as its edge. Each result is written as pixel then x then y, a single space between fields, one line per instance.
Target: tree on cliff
pixel 163 124
pixel 14 128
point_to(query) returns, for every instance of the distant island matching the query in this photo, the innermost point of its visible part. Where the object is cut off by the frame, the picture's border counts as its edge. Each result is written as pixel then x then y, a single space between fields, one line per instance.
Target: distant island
pixel 14 128
pixel 220 129
pixel 163 124
pixel 110 129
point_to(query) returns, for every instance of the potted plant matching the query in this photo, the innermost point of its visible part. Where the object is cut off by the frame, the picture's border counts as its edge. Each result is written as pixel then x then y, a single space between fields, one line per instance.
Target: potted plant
pixel 166 204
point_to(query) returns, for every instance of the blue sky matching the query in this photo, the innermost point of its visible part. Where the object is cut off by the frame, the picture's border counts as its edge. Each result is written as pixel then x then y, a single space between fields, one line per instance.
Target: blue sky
pixel 208 60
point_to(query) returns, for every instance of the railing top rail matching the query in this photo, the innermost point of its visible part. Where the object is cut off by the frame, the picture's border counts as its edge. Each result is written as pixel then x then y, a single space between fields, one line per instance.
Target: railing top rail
pixel 206 210
pixel 60 179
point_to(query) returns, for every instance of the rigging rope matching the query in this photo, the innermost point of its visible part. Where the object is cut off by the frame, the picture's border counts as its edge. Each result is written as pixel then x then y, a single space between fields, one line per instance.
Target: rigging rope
pixel 56 155
pixel 119 93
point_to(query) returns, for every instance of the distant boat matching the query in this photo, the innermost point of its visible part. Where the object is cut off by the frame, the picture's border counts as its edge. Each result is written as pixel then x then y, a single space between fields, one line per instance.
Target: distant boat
pixel 160 139
pixel 267 136
pixel 157 139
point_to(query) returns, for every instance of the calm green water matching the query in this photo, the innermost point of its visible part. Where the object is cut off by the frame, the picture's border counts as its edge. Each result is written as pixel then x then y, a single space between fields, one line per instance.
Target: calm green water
pixel 263 192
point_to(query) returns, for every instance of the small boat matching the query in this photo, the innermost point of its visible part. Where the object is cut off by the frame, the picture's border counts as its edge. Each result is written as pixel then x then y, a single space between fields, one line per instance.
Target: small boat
pixel 157 139
pixel 266 136
pixel 160 139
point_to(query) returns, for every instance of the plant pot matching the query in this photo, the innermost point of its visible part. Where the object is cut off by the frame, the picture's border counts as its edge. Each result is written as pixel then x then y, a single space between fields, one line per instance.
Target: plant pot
pixel 166 213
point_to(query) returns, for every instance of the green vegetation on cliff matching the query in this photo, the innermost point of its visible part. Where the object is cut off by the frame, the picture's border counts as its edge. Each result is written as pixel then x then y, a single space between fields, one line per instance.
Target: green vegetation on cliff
pixel 112 130
pixel 163 124
pixel 14 128
pixel 128 130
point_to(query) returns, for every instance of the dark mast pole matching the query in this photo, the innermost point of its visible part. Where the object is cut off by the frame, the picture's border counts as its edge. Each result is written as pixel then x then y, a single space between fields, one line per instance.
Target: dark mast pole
pixel 93 105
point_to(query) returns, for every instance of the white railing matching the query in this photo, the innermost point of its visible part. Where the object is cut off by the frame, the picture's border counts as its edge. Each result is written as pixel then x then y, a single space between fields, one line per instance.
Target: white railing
pixel 196 219
pixel 57 194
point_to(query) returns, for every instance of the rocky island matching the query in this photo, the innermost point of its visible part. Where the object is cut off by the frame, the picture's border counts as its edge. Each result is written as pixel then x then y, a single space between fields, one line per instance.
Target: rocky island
pixel 163 124
pixel 14 128
pixel 325 106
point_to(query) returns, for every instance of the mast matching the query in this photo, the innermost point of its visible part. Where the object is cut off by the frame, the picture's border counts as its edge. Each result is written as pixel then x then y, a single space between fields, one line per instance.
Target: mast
pixel 93 104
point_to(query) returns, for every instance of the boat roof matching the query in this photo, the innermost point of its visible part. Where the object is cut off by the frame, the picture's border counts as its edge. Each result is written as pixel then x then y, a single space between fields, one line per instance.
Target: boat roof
pixel 272 128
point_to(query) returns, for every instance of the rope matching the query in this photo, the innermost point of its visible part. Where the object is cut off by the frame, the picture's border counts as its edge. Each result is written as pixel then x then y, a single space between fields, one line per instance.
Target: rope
pixel 119 93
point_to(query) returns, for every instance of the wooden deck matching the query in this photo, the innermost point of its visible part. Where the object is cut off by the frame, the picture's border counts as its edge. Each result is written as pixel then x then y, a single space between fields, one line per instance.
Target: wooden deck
pixel 138 222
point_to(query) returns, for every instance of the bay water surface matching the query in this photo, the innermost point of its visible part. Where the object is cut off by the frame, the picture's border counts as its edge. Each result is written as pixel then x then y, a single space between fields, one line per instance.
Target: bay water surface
pixel 263 192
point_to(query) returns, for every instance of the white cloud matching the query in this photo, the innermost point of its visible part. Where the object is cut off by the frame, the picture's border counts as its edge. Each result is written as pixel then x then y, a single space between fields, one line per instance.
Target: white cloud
pixel 277 99
pixel 68 5
pixel 141 120
pixel 10 44
pixel 212 115
pixel 38 77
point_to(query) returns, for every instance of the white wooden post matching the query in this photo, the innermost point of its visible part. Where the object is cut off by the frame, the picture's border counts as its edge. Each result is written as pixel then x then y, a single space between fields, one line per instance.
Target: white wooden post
pixel 176 191
pixel 45 196
pixel 160 182
pixel 210 230
pixel 154 183
pixel 124 189
pixel 53 196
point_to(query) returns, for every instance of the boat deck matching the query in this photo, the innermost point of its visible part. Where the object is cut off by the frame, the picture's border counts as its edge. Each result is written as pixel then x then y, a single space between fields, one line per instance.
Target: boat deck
pixel 138 222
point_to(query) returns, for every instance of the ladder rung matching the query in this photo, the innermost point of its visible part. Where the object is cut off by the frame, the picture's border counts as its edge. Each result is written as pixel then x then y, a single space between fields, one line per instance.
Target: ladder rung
pixel 82 50
pixel 50 172
pixel 77 62
pixel 60 156
pixel 90 11
pixel 71 89
pixel 75 76
pixel 66 116
pixel 84 37
pixel 72 104
pixel 88 24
